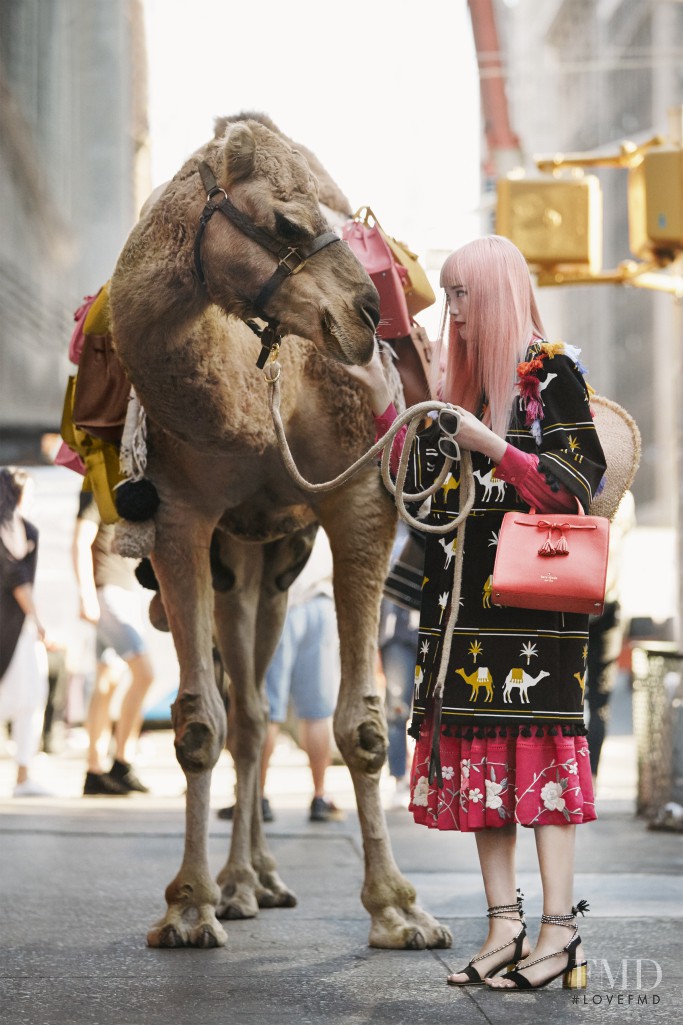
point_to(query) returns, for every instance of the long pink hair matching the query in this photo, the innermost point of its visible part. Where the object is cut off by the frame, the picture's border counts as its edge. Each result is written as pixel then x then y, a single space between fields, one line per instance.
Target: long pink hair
pixel 502 318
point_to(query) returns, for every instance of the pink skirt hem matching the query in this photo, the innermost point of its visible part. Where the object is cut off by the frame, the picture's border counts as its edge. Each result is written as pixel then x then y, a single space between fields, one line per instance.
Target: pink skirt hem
pixel 493 782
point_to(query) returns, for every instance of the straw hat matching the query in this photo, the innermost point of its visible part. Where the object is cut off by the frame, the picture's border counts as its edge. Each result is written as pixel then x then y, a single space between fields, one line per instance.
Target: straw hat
pixel 620 440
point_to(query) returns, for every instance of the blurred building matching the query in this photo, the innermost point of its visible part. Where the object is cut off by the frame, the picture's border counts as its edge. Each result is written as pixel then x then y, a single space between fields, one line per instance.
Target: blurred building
pixel 586 75
pixel 73 171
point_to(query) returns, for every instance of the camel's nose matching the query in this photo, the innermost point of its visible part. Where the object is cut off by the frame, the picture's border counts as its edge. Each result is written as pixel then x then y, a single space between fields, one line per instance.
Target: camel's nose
pixel 368 309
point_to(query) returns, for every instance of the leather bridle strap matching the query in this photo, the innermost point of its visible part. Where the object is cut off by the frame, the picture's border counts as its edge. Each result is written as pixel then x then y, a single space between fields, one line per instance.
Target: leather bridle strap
pixel 291 259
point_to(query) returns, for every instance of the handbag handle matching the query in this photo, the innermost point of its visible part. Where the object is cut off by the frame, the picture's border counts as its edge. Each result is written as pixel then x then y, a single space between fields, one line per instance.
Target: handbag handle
pixel 580 509
pixel 365 217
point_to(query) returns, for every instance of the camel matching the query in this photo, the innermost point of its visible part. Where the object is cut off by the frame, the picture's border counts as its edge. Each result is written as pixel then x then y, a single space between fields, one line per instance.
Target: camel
pixel 481 677
pixel 489 482
pixel 518 678
pixel 230 514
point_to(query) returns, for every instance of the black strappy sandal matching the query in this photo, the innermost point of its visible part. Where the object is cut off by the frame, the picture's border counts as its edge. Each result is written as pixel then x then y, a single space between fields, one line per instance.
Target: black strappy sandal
pixel 574 974
pixel 500 911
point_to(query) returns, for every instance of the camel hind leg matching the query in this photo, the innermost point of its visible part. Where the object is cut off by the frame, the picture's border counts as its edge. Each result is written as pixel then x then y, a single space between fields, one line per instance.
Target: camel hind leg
pixel 249 618
pixel 360 525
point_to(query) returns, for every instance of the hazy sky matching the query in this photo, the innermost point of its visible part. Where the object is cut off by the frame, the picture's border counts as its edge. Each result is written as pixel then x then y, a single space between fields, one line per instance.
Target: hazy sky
pixel 385 92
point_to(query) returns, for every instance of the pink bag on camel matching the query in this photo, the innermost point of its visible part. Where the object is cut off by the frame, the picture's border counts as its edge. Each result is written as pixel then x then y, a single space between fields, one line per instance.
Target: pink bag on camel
pixel 369 245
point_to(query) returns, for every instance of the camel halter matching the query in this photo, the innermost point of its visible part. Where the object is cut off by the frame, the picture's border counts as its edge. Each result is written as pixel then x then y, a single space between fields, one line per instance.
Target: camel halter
pixel 413 417
pixel 291 259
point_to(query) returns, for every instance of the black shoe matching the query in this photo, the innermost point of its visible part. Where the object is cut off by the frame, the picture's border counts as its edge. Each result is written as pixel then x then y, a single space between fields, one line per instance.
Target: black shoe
pixel 124 774
pixel 101 784
pixel 266 811
pixel 323 810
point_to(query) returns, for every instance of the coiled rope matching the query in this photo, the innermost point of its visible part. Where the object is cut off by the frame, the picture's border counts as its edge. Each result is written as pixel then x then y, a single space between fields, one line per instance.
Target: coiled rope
pixel 412 416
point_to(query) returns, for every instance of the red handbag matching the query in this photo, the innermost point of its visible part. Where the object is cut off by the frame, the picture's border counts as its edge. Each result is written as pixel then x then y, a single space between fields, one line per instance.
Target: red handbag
pixel 369 245
pixel 551 561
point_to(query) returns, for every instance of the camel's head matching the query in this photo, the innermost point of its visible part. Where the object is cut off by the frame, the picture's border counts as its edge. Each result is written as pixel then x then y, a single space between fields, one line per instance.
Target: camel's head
pixel 330 299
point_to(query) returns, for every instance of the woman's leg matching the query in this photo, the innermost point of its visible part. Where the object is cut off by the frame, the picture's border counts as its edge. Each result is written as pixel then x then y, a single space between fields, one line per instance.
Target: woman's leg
pixel 555 848
pixel 496 850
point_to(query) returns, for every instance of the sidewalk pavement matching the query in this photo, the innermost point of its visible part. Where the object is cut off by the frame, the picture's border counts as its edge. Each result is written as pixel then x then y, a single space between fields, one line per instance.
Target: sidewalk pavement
pixel 82 879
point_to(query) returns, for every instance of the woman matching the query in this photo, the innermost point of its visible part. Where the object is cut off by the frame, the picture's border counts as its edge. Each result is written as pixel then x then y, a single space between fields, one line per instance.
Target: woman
pixel 511 742
pixel 23 659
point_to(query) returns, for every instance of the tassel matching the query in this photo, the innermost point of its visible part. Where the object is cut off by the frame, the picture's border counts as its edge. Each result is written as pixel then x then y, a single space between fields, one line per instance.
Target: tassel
pixel 469 733
pixel 479 733
pixel 491 733
pixel 547 549
pixel 503 733
pixel 435 756
pixel 581 908
pixel 552 732
pixel 525 732
pixel 562 548
pixel 539 731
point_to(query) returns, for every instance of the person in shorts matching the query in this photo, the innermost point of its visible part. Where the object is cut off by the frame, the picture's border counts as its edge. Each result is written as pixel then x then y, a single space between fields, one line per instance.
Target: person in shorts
pixel 111 599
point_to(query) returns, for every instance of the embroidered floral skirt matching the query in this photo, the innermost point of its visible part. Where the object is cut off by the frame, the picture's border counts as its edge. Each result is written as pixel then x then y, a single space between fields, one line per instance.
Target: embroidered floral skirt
pixel 490 782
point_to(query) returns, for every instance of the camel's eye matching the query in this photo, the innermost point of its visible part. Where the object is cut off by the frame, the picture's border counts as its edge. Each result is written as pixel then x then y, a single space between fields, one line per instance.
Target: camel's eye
pixel 288 230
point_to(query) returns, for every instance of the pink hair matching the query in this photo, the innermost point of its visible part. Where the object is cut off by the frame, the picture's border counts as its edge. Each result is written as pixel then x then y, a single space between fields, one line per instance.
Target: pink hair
pixel 502 317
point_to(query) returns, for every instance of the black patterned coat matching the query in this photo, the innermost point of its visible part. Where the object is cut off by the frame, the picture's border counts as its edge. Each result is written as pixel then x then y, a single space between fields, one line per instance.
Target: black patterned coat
pixel 509 667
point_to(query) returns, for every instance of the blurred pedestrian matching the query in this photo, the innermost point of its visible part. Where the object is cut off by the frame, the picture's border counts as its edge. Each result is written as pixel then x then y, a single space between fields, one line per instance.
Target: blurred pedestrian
pixel 111 599
pixel 23 658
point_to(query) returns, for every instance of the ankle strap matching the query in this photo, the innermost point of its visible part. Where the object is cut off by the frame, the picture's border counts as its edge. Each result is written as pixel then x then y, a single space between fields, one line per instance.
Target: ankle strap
pixel 567 920
pixel 504 910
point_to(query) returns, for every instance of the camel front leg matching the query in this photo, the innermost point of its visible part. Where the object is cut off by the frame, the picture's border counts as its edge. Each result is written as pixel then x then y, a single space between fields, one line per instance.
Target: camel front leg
pixel 181 563
pixel 361 528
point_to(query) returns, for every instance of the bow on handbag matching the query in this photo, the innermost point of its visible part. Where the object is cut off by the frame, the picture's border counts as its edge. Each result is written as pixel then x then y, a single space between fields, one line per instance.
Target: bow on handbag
pixel 551 548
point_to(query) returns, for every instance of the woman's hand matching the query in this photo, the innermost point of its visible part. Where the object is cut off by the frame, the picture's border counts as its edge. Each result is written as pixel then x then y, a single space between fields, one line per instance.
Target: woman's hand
pixel 476 437
pixel 371 376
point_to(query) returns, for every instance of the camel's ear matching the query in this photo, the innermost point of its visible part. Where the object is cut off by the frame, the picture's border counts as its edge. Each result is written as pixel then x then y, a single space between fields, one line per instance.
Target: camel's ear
pixel 240 148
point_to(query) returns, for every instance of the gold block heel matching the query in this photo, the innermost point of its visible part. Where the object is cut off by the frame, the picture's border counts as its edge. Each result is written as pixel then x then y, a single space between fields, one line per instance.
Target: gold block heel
pixel 576 977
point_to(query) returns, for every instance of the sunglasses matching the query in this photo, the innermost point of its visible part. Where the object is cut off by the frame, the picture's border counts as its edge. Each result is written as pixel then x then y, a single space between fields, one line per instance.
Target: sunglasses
pixel 449 424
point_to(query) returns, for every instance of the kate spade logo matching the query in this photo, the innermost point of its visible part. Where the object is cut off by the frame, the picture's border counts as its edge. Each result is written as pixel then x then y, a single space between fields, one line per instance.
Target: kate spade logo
pixel 549 578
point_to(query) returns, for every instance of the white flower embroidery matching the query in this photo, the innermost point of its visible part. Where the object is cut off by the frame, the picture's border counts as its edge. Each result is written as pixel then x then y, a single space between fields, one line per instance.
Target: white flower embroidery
pixel 476 795
pixel 572 768
pixel 492 792
pixel 448 772
pixel 551 795
pixel 465 768
pixel 420 791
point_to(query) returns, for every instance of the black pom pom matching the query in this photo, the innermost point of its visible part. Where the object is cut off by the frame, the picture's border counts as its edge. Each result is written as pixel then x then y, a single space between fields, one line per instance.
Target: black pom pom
pixel 136 500
pixel 469 733
pixel 539 731
pixel 525 731
pixel 144 571
pixel 552 732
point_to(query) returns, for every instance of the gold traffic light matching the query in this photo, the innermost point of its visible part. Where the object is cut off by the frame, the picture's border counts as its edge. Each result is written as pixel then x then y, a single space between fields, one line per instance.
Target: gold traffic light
pixel 655 205
pixel 555 222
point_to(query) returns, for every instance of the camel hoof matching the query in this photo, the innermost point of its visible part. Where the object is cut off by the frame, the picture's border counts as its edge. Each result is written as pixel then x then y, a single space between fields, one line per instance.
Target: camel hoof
pixel 204 938
pixel 277 899
pixel 416 942
pixel 443 938
pixel 171 935
pixel 237 904
pixel 168 936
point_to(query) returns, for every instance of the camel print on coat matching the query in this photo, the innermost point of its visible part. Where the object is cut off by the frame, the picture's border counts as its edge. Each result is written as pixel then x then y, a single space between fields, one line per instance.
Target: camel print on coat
pixel 229 512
